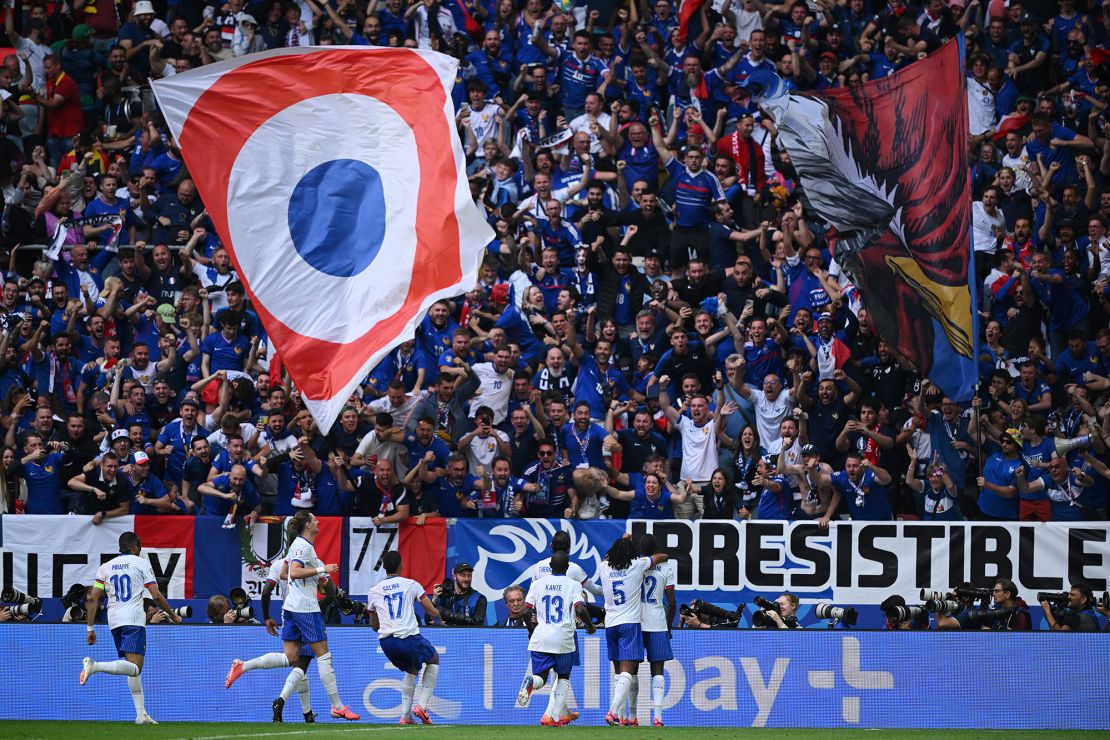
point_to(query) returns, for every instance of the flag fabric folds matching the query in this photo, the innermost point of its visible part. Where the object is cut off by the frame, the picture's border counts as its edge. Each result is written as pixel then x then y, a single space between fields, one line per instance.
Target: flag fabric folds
pixel 886 165
pixel 336 180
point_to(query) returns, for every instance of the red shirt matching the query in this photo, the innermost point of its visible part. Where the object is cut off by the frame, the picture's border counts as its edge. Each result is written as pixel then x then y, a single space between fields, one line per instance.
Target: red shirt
pixel 748 156
pixel 67 119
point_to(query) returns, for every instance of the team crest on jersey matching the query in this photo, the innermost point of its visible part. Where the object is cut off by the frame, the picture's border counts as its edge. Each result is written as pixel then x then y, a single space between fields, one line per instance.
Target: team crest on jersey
pixel 48 468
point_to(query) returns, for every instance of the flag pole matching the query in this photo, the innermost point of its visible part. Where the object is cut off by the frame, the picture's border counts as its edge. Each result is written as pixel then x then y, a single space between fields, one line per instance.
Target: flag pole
pixel 972 280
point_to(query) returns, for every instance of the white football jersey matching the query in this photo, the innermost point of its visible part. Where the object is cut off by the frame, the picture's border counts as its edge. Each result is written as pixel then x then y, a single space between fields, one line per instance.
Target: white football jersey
pixel 124 579
pixel 554 598
pixel 274 574
pixel 574 571
pixel 622 591
pixel 300 593
pixel 653 592
pixel 393 600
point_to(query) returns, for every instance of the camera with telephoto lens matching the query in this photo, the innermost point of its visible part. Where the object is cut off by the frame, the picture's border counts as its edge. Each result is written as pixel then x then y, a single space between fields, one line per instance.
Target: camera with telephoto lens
pixel 767 605
pixel 847 615
pixel 349 606
pixel 183 611
pixel 74 603
pixel 1053 597
pixel 898 614
pixel 712 614
pixel 448 587
pixel 22 605
pixel 946 607
pixel 1104 602
pixel 460 620
pixel 972 593
pixel 241 605
pixel 979 618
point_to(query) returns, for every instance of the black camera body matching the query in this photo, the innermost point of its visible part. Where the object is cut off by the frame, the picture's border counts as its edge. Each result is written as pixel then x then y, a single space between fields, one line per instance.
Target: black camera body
pixel 350 607
pixel 712 614
pixel 767 605
pixel 460 620
pixel 1056 598
pixel 846 615
pixel 74 603
pixel 979 618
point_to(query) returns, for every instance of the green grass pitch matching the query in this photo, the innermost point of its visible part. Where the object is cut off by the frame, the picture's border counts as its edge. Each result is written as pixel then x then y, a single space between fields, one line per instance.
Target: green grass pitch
pixel 231 731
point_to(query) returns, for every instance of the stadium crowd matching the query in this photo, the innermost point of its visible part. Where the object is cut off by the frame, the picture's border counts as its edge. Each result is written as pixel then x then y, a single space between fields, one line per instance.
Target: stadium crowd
pixel 659 329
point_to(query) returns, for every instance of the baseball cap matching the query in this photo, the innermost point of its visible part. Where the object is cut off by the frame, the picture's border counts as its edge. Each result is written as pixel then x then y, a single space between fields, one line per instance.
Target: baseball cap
pixel 1015 435
pixel 1029 18
pixel 835 27
pixel 810 450
pixel 144 7
pixel 82 31
pixel 167 313
pixel 247 18
pixel 462 567
pixel 141 458
pixel 827 55
pixel 119 434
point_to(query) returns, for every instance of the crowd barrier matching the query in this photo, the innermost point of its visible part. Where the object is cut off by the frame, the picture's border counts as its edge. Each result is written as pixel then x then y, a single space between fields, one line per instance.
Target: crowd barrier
pixel 724 562
pixel 718 678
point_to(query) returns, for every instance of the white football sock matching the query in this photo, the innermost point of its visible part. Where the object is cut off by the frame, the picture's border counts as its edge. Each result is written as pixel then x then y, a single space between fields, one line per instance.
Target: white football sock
pixel 428 684
pixel 658 689
pixel 633 697
pixel 327 677
pixel 620 693
pixel 408 688
pixel 117 667
pixel 136 685
pixel 292 681
pixel 560 695
pixel 550 711
pixel 302 691
pixel 269 660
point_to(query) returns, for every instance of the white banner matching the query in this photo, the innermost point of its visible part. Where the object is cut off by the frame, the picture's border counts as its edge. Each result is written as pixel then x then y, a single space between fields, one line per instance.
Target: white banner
pixel 364 560
pixel 864 562
pixel 265 544
pixel 44 558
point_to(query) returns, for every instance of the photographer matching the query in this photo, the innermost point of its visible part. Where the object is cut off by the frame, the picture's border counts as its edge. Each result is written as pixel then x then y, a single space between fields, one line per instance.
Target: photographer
pixel 236 610
pixel 1008 612
pixel 458 604
pixel 1076 612
pixel 778 614
pixel 700 615
pixel 902 617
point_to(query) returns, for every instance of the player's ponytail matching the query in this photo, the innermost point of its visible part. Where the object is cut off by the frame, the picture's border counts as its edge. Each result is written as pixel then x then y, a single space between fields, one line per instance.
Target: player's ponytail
pixel 299 521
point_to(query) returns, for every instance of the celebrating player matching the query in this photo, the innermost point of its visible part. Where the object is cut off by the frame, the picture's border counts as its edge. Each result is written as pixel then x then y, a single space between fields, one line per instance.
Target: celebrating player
pixel 390 606
pixel 656 618
pixel 551 643
pixel 301 619
pixel 622 576
pixel 296 680
pixel 123 578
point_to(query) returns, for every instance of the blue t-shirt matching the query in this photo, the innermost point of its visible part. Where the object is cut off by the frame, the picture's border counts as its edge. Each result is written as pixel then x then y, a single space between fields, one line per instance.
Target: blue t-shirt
pixel 215 505
pixel 149 488
pixel 578 77
pixel 44 485
pixel 867 499
pixel 584 448
pixel 776 505
pixel 182 442
pixel 694 196
pixel 1000 471
pixel 643 507
pixel 417 451
pixel 224 354
pixel 596 387
pixel 121 208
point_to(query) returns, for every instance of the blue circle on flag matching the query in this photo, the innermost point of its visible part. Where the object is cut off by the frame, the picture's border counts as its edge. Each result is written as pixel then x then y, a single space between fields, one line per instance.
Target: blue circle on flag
pixel 337 217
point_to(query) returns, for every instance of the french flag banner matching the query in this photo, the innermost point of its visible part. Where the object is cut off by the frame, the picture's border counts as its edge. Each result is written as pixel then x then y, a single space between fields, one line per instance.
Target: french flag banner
pixel 336 179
